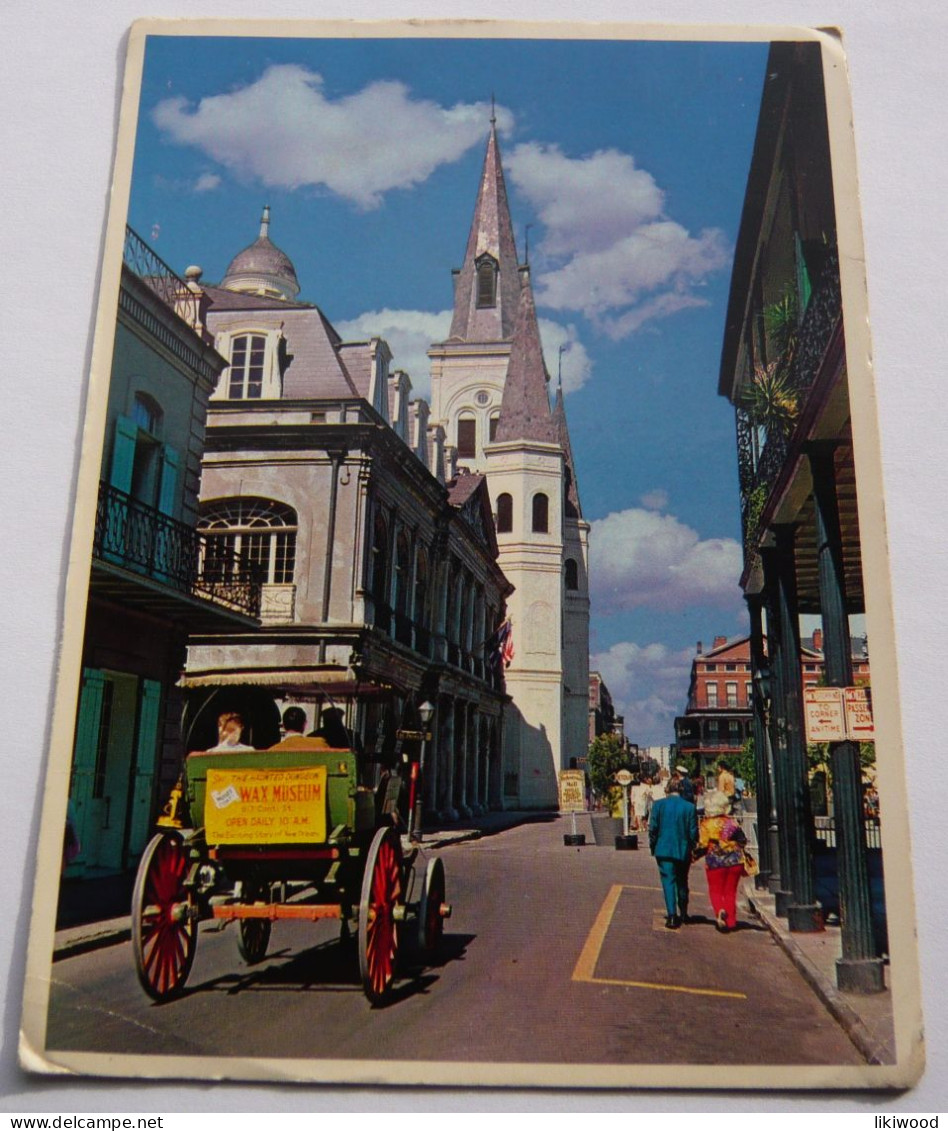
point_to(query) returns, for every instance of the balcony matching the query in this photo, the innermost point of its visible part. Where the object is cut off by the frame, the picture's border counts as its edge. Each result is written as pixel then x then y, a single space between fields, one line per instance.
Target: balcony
pixel 173 291
pixel 760 466
pixel 170 555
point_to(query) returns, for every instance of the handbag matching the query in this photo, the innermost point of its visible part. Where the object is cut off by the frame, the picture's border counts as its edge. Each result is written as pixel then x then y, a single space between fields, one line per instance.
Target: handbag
pixel 751 867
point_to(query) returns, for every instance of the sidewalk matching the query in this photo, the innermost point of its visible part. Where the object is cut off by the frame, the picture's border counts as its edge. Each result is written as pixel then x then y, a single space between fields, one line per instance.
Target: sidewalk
pixel 93 913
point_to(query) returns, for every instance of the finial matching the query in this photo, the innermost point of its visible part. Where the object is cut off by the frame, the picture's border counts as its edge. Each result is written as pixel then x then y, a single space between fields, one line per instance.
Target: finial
pixel 559 375
pixel 526 244
pixel 493 110
pixel 265 222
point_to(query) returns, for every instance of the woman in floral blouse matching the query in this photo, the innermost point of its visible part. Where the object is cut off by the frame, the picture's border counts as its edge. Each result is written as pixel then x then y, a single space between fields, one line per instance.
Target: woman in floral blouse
pixel 721 841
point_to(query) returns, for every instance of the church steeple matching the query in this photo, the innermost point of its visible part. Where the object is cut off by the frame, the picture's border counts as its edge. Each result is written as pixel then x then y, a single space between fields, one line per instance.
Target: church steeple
pixel 525 407
pixel 487 287
pixel 572 509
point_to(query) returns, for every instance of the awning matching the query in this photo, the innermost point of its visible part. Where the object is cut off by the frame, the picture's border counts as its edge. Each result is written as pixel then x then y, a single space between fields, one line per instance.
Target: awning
pixel 337 681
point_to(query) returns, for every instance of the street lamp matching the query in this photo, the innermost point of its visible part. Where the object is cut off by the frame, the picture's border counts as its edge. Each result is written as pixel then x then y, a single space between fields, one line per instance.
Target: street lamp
pixel 425 713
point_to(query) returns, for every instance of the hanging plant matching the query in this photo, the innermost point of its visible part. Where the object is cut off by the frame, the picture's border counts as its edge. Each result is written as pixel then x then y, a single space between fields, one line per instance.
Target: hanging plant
pixel 770 401
pixel 781 323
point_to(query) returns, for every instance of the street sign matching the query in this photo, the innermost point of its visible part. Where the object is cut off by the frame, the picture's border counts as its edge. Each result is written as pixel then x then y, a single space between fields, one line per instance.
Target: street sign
pixel 572 791
pixel 624 777
pixel 825 714
pixel 414 735
pixel 859 724
pixel 838 714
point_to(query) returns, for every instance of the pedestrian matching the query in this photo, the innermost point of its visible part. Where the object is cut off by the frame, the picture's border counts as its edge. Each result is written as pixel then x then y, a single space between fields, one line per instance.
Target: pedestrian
pixel 332 729
pixel 641 802
pixel 672 836
pixel 686 789
pixel 721 842
pixel 230 730
pixel 726 784
pixel 697 784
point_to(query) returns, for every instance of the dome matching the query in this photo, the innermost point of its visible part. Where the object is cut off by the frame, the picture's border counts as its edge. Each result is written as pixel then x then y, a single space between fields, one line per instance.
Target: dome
pixel 262 269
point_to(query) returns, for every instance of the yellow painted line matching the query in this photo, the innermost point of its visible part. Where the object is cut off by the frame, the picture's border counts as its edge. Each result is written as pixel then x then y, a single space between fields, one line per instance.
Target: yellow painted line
pixel 585 968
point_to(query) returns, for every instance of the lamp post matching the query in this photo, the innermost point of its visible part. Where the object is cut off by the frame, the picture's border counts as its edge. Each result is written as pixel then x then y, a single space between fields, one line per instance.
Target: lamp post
pixel 425 713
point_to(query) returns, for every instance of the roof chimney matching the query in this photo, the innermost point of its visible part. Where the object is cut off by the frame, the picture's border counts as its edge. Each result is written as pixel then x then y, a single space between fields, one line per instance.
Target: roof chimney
pixel 818 639
pixel 700 649
pixel 719 641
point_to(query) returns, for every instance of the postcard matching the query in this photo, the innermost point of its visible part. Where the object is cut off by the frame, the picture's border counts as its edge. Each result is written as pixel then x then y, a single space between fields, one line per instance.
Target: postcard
pixel 479 665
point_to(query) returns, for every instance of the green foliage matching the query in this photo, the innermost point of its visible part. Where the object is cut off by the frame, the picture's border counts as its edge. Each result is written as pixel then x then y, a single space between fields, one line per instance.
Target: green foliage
pixel 744 765
pixel 607 755
pixel 770 401
pixel 780 324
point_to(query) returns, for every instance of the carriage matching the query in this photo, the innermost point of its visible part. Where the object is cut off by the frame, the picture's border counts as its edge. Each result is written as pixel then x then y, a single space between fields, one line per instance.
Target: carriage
pixel 258 836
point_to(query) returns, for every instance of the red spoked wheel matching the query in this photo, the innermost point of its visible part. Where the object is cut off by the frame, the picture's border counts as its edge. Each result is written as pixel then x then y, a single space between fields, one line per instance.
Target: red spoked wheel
pixel 164 918
pixel 379 912
pixel 431 910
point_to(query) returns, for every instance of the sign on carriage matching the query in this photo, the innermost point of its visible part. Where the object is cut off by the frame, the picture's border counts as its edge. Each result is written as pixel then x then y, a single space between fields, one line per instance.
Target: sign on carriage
pixel 266 806
pixel 859 724
pixel 825 714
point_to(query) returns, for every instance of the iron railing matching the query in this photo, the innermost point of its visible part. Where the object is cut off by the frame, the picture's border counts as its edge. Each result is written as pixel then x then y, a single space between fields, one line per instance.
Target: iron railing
pixel 824 829
pixel 141 539
pixel 760 466
pixel 173 291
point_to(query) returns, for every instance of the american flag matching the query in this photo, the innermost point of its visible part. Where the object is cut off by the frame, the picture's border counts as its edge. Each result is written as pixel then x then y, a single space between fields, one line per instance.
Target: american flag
pixel 503 648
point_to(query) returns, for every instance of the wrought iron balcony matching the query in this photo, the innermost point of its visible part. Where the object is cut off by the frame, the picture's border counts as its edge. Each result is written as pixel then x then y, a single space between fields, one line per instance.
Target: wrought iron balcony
pixel 760 464
pixel 173 291
pixel 142 540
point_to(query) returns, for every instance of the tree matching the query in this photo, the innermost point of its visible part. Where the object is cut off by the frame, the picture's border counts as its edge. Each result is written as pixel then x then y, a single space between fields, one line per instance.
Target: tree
pixel 607 755
pixel 744 765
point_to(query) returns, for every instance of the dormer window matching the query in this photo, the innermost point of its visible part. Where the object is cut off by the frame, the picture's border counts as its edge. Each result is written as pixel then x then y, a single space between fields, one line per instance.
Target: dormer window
pixel 486 281
pixel 245 380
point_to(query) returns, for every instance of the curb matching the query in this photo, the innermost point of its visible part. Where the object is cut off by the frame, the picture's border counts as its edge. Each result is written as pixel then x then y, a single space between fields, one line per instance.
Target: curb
pixel 866 1042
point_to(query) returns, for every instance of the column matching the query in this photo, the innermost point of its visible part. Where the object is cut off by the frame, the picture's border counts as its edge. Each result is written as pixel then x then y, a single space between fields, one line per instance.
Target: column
pixel 803 912
pixel 460 773
pixel 859 970
pixel 448 811
pixel 766 813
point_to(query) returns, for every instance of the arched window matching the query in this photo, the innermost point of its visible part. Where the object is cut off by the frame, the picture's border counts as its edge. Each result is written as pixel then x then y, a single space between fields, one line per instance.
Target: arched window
pixel 492 426
pixel 245 379
pixel 467 437
pixel 402 573
pixel 572 574
pixel 504 513
pixel 487 281
pixel 147 413
pixel 421 587
pixel 258 534
pixel 541 513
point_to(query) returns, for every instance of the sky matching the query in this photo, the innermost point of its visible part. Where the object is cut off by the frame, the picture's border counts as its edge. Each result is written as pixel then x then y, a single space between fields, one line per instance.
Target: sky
pixel 626 164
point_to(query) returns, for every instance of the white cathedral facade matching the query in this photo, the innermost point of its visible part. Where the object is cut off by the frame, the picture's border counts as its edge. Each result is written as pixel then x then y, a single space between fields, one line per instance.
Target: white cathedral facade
pixel 490 395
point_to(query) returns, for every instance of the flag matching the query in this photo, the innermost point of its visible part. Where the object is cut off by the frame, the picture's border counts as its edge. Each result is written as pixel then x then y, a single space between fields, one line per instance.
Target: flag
pixel 500 647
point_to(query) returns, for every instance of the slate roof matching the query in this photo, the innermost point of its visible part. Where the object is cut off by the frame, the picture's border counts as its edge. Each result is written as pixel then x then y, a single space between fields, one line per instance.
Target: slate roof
pixel 491 233
pixel 572 508
pixel 525 406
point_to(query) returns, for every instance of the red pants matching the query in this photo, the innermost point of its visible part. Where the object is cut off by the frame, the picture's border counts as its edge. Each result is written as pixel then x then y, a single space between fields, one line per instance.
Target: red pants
pixel 722 890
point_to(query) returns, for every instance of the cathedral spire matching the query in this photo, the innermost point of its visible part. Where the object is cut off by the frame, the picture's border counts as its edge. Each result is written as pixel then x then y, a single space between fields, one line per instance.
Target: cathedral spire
pixel 572 508
pixel 487 287
pixel 525 407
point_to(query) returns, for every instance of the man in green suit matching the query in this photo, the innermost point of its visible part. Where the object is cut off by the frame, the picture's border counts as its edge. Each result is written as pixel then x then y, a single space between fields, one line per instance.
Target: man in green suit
pixel 672 835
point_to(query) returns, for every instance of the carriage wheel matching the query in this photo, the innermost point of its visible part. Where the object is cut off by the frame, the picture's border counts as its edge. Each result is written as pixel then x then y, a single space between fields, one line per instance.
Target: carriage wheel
pixel 164 918
pixel 253 935
pixel 430 919
pixel 378 928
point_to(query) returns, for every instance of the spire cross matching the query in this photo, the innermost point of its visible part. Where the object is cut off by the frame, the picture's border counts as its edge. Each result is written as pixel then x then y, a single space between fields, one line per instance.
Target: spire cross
pixel 493 111
pixel 265 221
pixel 559 374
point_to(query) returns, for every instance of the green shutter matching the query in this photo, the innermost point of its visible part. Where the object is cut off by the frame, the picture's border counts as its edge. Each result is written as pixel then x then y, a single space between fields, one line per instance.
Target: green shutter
pixel 146 749
pixel 84 754
pixel 170 462
pixel 123 454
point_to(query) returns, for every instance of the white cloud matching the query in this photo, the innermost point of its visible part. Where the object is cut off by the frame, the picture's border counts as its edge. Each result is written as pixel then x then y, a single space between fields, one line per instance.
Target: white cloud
pixel 608 248
pixel 207 182
pixel 577 364
pixel 409 333
pixel 643 558
pixel 649 686
pixel 285 132
pixel 655 500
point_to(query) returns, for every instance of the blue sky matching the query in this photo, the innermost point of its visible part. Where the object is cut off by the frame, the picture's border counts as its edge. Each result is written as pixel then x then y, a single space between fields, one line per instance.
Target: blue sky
pixel 627 159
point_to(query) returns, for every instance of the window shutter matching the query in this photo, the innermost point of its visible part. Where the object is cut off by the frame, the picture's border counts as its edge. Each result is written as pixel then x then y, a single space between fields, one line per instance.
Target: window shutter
pixel 84 753
pixel 123 454
pixel 170 462
pixel 146 749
